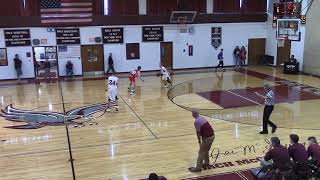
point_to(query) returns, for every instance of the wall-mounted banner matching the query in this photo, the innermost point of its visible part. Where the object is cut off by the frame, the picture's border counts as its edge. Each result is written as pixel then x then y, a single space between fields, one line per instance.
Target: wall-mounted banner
pixel 69 52
pixel 216 37
pixel 68 36
pixel 17 37
pixel 152 33
pixel 112 35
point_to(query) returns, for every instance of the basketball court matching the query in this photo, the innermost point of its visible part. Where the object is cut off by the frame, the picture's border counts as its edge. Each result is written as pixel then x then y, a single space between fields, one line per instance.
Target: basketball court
pixel 152 132
pixel 57 127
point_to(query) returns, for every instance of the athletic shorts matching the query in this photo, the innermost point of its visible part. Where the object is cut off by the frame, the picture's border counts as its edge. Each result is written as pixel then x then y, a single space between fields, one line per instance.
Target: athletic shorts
pixel 113 94
pixel 132 78
pixel 165 77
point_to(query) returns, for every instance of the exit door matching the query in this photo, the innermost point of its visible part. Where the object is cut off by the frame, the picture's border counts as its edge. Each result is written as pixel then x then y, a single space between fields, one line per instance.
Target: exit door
pixel 92 58
pixel 166 54
pixel 256 49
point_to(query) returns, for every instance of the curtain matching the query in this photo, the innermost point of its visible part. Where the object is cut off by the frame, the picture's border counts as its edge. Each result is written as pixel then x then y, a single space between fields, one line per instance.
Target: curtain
pixel 98 7
pixel 124 7
pixel 192 5
pixel 131 7
pixel 201 6
pixel 32 8
pixel 11 8
pixel 165 7
pixel 161 7
pixel 228 6
pixel 253 6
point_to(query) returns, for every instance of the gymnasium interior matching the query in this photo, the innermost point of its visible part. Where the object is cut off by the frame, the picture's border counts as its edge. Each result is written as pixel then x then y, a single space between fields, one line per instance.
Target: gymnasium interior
pixel 56 57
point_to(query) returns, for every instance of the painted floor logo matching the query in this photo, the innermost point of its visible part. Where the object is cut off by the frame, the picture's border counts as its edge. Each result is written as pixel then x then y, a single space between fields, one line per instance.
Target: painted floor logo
pixel 39 119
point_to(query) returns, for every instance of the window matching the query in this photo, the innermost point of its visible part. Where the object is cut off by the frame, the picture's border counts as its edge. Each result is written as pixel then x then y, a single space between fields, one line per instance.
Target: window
pixel 106 7
pixel 24 4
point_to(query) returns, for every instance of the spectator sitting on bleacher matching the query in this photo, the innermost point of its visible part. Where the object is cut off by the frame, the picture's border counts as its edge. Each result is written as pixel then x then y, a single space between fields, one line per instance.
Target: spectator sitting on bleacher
pixel 293 60
pixel 154 176
pixel 69 70
pixel 297 151
pixel 314 150
pixel 280 161
pixel 47 66
pixel 299 155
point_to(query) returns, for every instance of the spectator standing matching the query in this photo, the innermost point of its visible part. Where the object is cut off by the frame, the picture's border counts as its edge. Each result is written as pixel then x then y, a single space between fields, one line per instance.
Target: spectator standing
pixel 110 64
pixel 243 56
pixel 236 54
pixel 17 66
pixel 36 67
pixel 220 59
pixel 69 69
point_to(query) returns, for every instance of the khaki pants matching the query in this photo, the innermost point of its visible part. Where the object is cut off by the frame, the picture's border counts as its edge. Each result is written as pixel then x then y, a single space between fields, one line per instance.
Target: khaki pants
pixel 204 151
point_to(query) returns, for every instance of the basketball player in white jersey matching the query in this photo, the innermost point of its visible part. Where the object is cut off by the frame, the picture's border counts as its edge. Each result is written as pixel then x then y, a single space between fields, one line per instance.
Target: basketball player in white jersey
pixel 112 92
pixel 165 76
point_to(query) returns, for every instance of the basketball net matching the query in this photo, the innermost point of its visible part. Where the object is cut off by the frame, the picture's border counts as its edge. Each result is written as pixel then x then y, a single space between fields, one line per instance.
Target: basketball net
pixel 183 28
pixel 281 41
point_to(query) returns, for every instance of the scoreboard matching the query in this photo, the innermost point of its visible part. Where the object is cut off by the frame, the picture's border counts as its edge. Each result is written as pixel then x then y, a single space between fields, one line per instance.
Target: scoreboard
pixel 287 10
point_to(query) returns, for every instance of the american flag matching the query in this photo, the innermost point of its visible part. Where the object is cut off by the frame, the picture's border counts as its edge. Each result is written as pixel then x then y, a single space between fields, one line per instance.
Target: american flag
pixel 66 12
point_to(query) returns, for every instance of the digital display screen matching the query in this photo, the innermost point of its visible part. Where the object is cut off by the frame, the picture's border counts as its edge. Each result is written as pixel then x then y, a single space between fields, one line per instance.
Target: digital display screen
pixel 287 9
pixel 279 9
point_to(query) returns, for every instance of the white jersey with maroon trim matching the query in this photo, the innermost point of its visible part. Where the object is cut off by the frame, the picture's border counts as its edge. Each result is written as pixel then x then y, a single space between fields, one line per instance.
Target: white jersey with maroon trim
pixel 112 88
pixel 112 82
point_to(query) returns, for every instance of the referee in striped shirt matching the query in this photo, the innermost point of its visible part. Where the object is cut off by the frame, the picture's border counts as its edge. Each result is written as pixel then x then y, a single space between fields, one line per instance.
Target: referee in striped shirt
pixel 268 108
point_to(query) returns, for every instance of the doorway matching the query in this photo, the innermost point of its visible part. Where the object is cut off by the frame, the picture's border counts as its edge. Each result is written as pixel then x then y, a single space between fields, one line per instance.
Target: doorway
pixel 283 53
pixel 256 49
pixel 92 59
pixel 166 54
pixel 45 62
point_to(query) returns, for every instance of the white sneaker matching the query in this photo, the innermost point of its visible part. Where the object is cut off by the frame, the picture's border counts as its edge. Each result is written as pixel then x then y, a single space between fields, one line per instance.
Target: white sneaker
pixel 116 108
pixel 131 93
pixel 165 86
pixel 108 110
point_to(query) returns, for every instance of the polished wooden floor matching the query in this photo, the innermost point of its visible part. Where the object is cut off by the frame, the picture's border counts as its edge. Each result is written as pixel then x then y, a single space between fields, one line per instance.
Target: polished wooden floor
pixel 149 133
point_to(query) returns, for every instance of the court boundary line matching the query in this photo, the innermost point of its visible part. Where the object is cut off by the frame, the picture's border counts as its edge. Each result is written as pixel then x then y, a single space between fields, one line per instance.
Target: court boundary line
pixel 140 119
pixel 209 116
pixel 229 91
pixel 241 175
pixel 67 132
pixel 218 174
pixel 98 145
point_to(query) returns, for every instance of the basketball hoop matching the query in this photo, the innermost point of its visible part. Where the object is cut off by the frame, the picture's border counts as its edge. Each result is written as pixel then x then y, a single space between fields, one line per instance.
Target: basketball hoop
pixel 281 42
pixel 182 19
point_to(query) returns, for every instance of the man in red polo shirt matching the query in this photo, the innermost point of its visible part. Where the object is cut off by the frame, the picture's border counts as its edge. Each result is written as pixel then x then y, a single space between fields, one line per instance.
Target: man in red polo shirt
pixel 205 136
